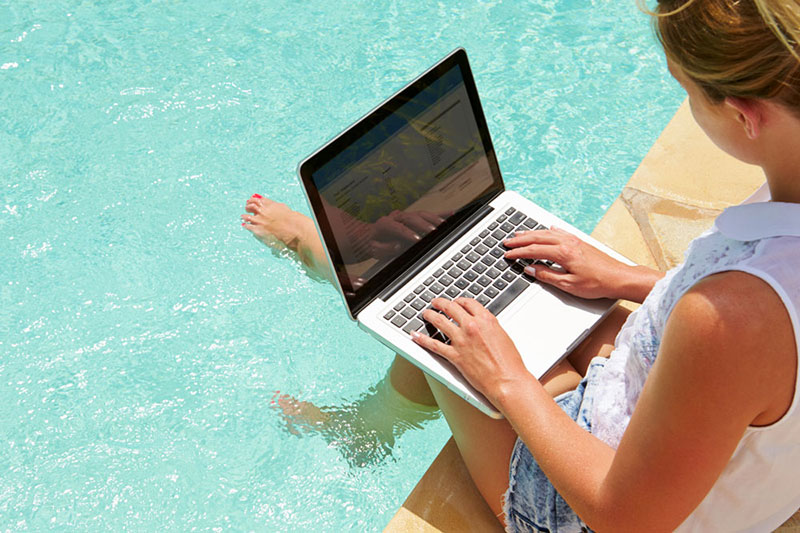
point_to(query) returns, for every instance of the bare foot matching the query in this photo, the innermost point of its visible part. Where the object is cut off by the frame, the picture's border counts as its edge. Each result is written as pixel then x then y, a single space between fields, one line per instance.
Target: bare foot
pixel 273 223
pixel 364 431
pixel 280 228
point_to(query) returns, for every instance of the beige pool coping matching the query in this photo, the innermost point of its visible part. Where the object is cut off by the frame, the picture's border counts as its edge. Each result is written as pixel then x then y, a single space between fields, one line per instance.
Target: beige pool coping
pixel 682 184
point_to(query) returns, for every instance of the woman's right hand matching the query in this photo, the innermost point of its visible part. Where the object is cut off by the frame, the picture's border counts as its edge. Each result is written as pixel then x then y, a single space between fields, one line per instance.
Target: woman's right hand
pixel 585 271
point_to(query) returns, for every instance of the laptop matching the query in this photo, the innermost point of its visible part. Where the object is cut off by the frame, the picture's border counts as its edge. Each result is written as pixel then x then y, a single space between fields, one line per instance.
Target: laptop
pixel 410 205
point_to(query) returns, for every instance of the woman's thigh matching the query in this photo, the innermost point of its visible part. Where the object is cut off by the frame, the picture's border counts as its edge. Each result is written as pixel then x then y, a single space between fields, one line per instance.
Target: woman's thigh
pixel 485 443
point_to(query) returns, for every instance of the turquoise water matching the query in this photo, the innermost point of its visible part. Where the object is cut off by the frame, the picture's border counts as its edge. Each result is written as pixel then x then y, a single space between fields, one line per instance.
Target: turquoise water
pixel 143 332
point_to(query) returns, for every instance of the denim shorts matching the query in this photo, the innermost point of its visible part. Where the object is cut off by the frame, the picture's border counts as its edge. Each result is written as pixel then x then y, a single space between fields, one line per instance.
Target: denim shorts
pixel 531 502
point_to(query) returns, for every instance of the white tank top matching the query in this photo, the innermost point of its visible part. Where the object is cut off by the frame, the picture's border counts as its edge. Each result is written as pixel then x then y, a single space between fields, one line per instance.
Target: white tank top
pixel 760 487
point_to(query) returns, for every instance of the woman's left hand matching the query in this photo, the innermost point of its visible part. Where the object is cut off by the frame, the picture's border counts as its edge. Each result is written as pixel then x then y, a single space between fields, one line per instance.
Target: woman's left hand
pixel 479 347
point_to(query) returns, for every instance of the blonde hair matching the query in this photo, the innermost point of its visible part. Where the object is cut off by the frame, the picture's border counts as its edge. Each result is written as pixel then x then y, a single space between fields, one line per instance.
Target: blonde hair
pixel 738 48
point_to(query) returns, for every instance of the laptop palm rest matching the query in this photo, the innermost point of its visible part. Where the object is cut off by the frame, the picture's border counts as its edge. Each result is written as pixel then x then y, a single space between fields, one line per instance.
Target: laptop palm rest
pixel 543 322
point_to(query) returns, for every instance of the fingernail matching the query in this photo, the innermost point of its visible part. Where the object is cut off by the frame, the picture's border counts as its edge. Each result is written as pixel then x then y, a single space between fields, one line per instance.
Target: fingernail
pixel 257 196
pixel 242 223
pixel 415 335
pixel 530 271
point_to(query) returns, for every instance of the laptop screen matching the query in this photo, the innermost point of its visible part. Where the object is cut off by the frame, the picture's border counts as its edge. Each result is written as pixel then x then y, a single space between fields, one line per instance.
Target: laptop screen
pixel 398 179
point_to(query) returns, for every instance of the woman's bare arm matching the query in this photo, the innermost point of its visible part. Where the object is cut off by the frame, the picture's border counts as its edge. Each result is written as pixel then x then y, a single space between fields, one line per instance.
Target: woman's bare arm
pixel 590 273
pixel 710 381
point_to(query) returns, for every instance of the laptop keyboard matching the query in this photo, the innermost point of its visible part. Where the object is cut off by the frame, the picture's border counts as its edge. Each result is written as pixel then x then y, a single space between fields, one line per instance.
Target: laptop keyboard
pixel 477 271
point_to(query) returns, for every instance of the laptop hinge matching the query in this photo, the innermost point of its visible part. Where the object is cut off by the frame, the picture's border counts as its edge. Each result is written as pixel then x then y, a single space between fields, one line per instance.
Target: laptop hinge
pixel 440 247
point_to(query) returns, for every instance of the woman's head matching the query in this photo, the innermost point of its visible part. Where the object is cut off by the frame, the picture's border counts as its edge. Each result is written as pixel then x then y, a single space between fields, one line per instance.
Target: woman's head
pixel 735 48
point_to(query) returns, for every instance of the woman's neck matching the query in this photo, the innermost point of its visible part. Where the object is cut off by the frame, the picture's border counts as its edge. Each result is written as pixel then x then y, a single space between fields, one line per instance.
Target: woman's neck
pixel 780 151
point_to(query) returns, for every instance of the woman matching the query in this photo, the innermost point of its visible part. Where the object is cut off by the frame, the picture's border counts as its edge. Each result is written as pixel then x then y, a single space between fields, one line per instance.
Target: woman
pixel 691 422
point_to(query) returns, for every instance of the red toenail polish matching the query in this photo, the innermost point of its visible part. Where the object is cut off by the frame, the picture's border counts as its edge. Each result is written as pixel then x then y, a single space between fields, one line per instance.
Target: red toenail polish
pixel 257 196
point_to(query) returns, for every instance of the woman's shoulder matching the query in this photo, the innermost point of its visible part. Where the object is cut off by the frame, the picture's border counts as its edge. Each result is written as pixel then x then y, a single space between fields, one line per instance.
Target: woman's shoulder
pixel 745 333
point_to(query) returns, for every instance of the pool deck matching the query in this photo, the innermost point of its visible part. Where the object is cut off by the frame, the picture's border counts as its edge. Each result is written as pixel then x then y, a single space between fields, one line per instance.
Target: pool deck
pixel 681 186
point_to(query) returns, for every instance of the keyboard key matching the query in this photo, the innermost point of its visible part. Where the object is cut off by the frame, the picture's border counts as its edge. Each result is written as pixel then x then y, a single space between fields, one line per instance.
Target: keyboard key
pixel 481 249
pixel 480 268
pixel 502 264
pixel 447 265
pixel 493 273
pixel 446 280
pixel 461 283
pixel 475 241
pixel 490 241
pixel 414 325
pixel 454 273
pixel 510 211
pixel 398 321
pixel 438 273
pixel 509 276
pixel 389 315
pixel 508 228
pixel 427 296
pixel 499 234
pixel 399 305
pixel 452 292
pixel 530 223
pixel 456 257
pixel 484 233
pixel 502 301
pixel 437 288
pixel 493 225
pixel 408 298
pixel 408 312
pixel 418 305
pixel 470 275
pixel 463 264
pixel 497 253
pixel 475 288
pixel 483 300
pixel 484 281
pixel 466 249
pixel 516 218
pixel 488 260
pixel 419 289
pixel 499 284
pixel 472 257
pixel 491 292
pixel 428 281
pixel 502 218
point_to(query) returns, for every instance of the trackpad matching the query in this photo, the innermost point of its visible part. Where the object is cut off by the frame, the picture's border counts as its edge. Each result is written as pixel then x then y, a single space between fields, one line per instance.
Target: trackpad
pixel 544 328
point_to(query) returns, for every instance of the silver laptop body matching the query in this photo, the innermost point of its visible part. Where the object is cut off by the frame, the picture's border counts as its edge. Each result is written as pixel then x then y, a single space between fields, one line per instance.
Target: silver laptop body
pixel 410 205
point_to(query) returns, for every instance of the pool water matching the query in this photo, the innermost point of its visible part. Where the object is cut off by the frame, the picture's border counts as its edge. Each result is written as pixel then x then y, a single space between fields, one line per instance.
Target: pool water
pixel 144 333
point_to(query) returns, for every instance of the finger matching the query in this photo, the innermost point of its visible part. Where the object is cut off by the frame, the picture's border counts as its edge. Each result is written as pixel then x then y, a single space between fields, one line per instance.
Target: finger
pixel 446 351
pixel 451 309
pixel 524 238
pixel 548 252
pixel 384 249
pixel 441 322
pixel 394 228
pixel 417 223
pixel 472 306
pixel 433 218
pixel 560 280
pixel 247 218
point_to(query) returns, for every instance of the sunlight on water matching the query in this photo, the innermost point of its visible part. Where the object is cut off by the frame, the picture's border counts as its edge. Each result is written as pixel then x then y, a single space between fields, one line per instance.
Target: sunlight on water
pixel 144 334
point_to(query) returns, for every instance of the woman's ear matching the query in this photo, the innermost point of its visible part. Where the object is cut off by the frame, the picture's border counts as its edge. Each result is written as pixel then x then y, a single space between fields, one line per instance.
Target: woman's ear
pixel 749 114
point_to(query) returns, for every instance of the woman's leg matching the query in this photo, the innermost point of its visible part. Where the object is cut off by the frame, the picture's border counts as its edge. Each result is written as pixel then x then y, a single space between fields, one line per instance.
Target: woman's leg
pixel 277 226
pixel 486 444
